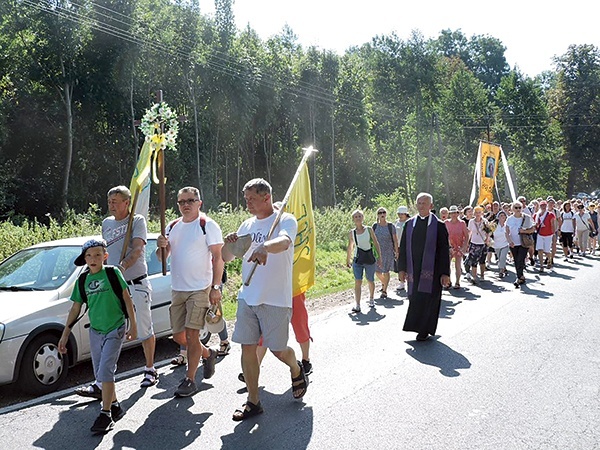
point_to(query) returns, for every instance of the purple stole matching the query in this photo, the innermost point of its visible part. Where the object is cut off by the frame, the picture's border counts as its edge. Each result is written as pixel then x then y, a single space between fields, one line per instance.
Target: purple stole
pixel 426 277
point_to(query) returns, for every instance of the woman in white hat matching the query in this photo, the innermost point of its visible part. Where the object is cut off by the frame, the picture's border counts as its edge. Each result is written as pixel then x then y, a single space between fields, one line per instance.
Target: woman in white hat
pixel 402 213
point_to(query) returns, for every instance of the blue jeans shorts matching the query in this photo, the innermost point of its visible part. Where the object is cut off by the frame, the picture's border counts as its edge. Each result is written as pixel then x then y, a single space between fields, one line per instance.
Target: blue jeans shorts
pixel 369 271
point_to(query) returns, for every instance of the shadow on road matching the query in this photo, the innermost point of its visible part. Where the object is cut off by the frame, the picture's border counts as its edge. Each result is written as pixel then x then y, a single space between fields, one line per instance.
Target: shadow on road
pixel 527 290
pixel 181 432
pixel 284 424
pixel 362 318
pixel 436 354
pixel 389 302
pixel 463 293
pixel 72 430
pixel 448 308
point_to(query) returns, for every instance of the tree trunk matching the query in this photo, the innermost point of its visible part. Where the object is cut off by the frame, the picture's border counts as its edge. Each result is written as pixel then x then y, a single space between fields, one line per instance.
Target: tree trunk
pixel 313 133
pixel 237 184
pixel 213 163
pixel 132 109
pixel 196 135
pixel 333 158
pixel 443 162
pixel 430 157
pixel 267 156
pixel 68 89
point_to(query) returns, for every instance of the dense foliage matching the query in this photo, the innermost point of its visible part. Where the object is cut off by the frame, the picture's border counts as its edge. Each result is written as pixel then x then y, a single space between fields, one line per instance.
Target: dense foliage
pixel 392 117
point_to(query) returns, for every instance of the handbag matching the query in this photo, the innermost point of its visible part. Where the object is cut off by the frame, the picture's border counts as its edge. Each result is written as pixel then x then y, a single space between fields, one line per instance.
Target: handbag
pixel 363 257
pixel 526 239
pixel 591 233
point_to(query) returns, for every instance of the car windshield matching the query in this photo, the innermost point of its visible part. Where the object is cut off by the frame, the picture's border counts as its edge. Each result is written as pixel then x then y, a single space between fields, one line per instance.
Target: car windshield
pixel 43 268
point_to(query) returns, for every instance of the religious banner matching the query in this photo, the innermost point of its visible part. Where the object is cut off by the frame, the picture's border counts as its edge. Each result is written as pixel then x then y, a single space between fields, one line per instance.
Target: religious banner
pixel 300 205
pixel 486 171
pixel 140 181
pixel 489 157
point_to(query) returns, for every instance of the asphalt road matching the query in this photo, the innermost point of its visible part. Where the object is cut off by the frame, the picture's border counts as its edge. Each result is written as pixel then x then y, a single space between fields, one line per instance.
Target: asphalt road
pixel 509 369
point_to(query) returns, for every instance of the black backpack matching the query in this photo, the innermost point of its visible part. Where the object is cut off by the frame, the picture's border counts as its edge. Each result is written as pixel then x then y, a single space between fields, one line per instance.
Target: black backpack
pixel 114 284
pixel 391 229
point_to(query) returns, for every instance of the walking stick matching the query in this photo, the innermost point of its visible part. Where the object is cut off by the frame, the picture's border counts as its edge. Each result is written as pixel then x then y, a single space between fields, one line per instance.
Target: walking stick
pixel 307 152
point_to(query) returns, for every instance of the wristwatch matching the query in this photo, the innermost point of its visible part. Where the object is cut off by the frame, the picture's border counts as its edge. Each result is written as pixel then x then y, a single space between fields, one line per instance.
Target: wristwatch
pixel 216 287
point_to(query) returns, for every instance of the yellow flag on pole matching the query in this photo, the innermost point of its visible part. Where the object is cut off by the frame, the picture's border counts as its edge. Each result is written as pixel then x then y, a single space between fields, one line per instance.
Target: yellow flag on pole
pixel 489 159
pixel 140 181
pixel 300 205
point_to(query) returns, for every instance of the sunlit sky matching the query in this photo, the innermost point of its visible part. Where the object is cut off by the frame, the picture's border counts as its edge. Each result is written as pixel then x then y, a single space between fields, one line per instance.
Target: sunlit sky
pixel 532 31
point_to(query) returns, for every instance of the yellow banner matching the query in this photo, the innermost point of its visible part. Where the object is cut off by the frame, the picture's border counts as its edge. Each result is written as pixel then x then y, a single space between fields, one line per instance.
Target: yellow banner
pixel 300 205
pixel 140 181
pixel 490 157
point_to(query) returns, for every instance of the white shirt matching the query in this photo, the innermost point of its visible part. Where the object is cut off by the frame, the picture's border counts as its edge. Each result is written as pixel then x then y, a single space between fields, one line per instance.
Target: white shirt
pixel 583 222
pixel 514 224
pixel 500 239
pixel 271 284
pixel 363 240
pixel 477 234
pixel 191 259
pixel 567 222
pixel 399 229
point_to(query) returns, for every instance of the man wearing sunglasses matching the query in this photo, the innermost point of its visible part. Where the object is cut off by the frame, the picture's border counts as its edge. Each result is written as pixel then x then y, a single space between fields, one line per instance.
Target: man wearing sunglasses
pixel 194 242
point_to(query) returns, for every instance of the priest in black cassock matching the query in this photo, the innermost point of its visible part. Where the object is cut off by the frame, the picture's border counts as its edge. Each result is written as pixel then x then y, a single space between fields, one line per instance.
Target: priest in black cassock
pixel 424 263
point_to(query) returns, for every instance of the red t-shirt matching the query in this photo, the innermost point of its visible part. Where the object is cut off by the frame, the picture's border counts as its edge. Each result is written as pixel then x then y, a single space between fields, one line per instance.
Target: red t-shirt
pixel 545 228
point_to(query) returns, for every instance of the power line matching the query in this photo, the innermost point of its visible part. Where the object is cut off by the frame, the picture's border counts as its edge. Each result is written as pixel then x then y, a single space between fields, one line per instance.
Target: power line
pixel 217 60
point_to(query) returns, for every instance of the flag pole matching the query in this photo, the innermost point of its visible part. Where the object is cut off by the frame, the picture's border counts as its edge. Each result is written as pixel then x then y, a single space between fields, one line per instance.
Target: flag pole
pixel 129 224
pixel 307 152
pixel 160 157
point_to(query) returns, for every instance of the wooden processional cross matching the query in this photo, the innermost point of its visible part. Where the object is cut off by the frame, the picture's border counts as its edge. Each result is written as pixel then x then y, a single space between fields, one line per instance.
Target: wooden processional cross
pixel 160 168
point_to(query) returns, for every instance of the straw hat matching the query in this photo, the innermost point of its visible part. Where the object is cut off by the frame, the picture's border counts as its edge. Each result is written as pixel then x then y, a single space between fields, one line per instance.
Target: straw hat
pixel 239 247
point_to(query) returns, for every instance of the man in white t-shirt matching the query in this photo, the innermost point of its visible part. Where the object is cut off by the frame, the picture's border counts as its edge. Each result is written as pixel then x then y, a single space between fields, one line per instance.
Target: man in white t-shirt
pixel 265 301
pixel 194 242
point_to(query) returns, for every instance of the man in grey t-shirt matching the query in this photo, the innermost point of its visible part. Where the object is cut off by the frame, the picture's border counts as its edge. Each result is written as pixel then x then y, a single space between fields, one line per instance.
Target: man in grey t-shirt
pixel 134 269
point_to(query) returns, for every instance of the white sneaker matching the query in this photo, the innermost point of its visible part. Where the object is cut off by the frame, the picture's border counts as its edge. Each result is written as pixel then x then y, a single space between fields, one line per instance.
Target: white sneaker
pixel 371 303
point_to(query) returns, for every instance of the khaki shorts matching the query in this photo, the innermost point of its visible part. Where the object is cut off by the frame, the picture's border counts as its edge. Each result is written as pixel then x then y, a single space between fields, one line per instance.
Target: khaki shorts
pixel 188 309
pixel 142 300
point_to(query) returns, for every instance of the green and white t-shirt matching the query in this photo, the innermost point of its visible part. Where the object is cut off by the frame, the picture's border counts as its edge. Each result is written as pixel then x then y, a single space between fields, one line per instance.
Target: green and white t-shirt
pixel 104 307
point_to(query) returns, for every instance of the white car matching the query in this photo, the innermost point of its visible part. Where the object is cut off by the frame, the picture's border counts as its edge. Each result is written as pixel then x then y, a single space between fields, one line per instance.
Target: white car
pixel 35 287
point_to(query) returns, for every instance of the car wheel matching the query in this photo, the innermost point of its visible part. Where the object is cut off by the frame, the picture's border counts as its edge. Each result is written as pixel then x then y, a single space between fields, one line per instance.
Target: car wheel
pixel 43 368
pixel 204 336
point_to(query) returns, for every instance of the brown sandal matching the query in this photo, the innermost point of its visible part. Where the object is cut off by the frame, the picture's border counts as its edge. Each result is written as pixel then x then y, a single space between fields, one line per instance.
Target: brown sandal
pixel 299 383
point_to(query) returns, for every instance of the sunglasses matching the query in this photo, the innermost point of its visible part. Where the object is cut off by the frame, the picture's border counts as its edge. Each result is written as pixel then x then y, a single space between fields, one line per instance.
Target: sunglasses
pixel 189 201
pixel 381 213
pixel 516 207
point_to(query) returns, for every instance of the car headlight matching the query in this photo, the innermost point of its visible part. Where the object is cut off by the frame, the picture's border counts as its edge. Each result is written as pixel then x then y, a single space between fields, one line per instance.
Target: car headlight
pixel 2 327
